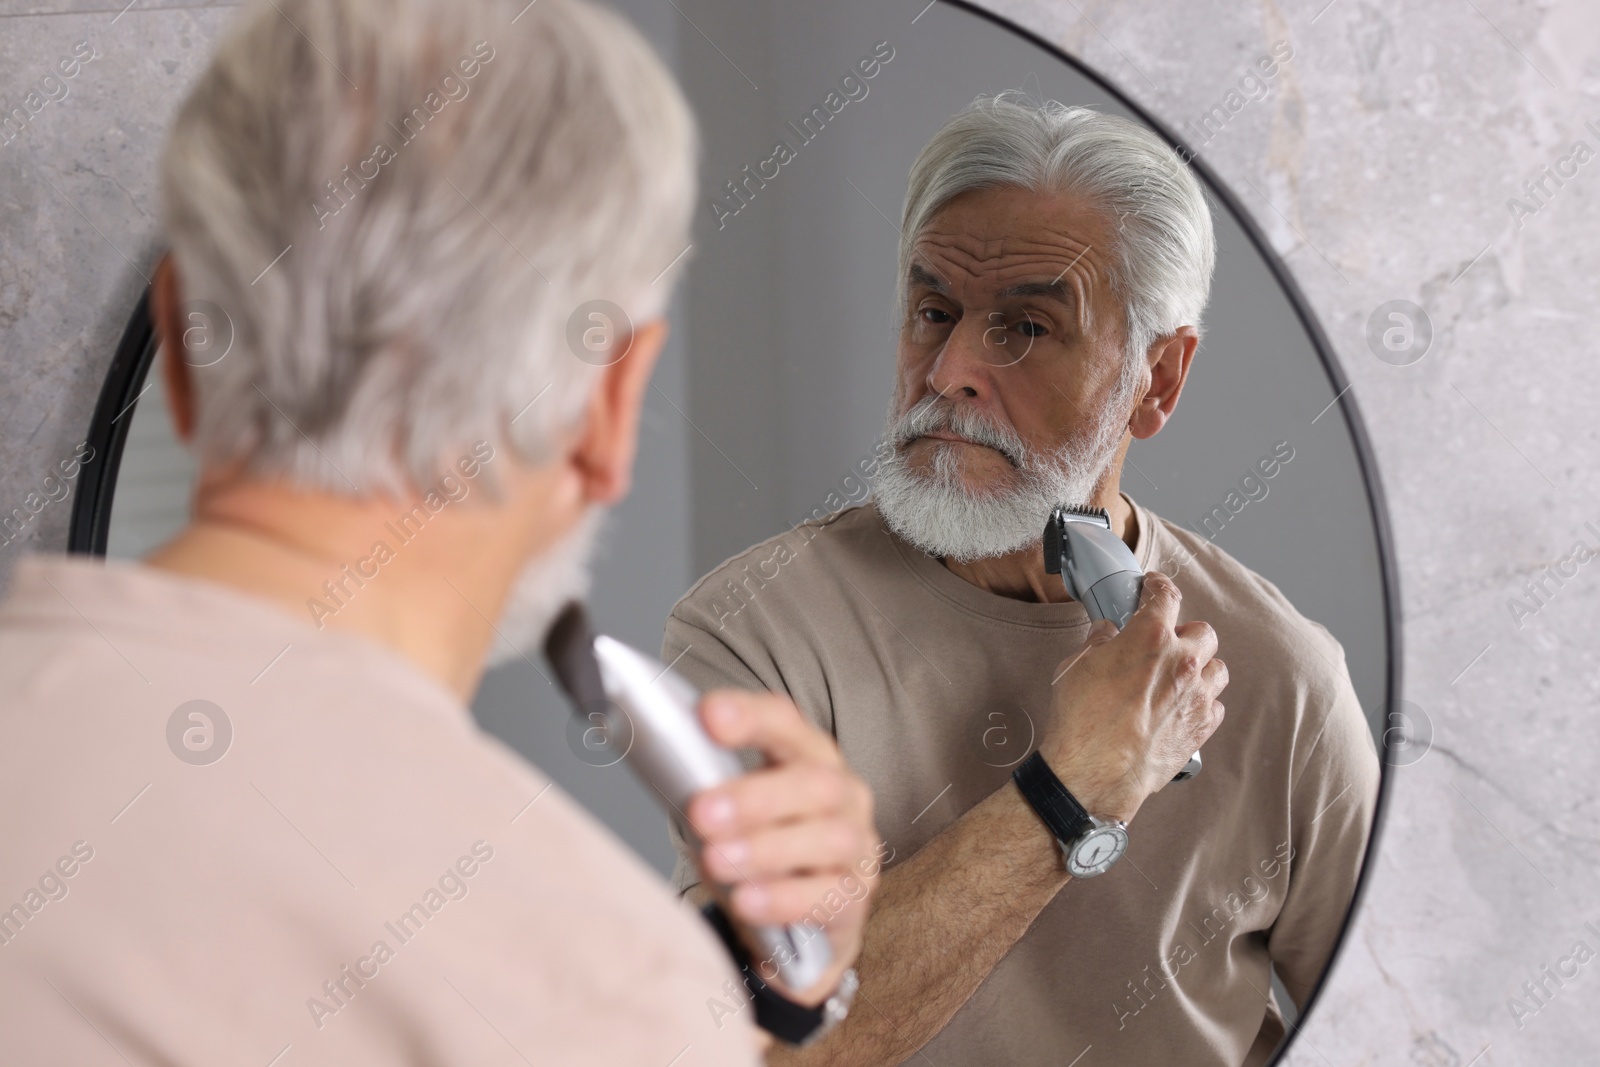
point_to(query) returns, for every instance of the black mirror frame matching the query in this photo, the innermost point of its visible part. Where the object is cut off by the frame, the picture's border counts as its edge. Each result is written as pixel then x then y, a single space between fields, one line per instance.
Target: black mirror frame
pixel 108 431
pixel 135 355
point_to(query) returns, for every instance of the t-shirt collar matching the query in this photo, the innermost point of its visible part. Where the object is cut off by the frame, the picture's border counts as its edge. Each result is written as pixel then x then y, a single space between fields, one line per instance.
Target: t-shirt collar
pixel 942 582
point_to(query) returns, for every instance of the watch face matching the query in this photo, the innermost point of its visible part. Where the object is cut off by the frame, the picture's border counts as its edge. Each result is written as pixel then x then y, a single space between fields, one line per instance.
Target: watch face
pixel 1095 852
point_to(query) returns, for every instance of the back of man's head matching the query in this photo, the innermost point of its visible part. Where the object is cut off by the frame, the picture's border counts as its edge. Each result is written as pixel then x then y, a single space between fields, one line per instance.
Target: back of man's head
pixel 396 205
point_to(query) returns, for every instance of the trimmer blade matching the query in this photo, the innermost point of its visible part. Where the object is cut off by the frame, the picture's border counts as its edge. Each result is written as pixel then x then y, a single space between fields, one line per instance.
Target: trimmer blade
pixel 570 649
pixel 1098 515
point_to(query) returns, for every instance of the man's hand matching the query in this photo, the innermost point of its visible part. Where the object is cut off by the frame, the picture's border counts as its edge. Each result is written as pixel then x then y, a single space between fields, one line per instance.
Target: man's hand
pixel 782 838
pixel 1130 708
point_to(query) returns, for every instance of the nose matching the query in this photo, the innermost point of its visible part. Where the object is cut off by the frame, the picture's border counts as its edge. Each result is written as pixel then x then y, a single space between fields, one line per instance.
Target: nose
pixel 965 364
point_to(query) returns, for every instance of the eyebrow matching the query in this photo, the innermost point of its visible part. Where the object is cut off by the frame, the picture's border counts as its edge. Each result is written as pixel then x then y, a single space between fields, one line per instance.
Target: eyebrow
pixel 1056 290
pixel 920 275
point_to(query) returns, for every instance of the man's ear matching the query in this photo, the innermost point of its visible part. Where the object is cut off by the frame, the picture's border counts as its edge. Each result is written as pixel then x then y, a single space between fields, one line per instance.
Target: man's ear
pixel 1170 358
pixel 165 303
pixel 603 454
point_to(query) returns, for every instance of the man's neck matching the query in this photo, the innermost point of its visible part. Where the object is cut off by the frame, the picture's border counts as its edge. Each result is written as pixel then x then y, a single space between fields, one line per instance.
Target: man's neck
pixel 428 594
pixel 1021 575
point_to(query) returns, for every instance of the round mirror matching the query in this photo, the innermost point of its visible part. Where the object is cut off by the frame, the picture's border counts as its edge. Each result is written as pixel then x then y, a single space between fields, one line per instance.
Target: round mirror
pixel 768 412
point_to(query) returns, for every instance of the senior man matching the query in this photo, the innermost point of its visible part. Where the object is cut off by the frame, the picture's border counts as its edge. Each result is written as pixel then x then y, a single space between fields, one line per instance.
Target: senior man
pixel 1054 265
pixel 249 817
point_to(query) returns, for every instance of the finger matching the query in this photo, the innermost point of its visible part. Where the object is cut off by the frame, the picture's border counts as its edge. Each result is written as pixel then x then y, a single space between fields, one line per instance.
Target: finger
pixel 816 846
pixel 787 900
pixel 1158 603
pixel 775 794
pixel 1216 675
pixel 765 721
pixel 1198 634
pixel 1102 631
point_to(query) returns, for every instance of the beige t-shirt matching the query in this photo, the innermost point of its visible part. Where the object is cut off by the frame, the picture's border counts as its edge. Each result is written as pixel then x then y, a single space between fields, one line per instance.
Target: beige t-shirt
pixel 362 877
pixel 934 689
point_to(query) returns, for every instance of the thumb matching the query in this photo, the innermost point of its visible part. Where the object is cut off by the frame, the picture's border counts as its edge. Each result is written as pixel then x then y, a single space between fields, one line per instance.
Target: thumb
pixel 1102 631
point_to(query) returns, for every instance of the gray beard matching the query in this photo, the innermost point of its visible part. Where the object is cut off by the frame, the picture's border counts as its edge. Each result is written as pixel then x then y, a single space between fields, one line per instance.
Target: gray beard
pixel 934 510
pixel 545 586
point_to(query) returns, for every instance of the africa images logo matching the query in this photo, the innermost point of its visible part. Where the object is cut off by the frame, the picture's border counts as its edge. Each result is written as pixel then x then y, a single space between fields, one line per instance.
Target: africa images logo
pixel 199 732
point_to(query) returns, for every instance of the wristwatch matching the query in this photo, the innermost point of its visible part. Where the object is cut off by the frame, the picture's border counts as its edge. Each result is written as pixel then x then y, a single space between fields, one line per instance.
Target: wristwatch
pixel 779 1016
pixel 1091 844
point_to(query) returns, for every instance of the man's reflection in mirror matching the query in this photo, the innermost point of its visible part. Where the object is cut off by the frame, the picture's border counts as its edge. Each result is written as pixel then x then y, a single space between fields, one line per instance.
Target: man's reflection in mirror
pixel 1054 266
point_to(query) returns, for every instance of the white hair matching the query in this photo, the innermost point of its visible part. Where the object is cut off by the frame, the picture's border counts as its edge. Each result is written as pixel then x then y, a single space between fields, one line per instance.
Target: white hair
pixel 1166 250
pixel 390 308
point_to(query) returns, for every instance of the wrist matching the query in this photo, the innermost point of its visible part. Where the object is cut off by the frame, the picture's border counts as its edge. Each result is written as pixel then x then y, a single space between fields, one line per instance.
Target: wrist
pixel 841 945
pixel 823 988
pixel 1090 843
pixel 1102 790
pixel 791 1020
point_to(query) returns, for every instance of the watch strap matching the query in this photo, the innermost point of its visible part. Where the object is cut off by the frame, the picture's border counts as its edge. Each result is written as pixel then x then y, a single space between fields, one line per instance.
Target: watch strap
pixel 1043 791
pixel 775 1013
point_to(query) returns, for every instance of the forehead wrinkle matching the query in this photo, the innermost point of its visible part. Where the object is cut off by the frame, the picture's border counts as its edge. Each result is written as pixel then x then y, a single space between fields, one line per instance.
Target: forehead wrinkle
pixel 977 255
pixel 1012 260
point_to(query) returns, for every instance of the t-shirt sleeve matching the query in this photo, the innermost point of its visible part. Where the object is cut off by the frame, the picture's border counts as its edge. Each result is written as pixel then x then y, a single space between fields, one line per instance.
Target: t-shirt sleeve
pixel 1333 798
pixel 705 658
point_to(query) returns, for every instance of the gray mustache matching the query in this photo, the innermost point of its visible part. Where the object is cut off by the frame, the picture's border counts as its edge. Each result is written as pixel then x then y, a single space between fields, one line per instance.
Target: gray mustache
pixel 933 414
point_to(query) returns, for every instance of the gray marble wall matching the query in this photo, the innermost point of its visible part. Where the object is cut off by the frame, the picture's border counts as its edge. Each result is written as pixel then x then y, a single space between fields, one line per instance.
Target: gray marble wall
pixel 1386 163
pixel 78 215
pixel 1382 164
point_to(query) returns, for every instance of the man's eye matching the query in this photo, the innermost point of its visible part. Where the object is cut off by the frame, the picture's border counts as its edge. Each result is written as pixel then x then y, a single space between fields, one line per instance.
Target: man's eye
pixel 1029 328
pixel 935 315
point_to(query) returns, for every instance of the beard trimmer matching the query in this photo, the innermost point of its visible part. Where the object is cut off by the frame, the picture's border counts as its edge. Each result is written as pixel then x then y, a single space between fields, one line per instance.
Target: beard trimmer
pixel 1100 572
pixel 653 711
